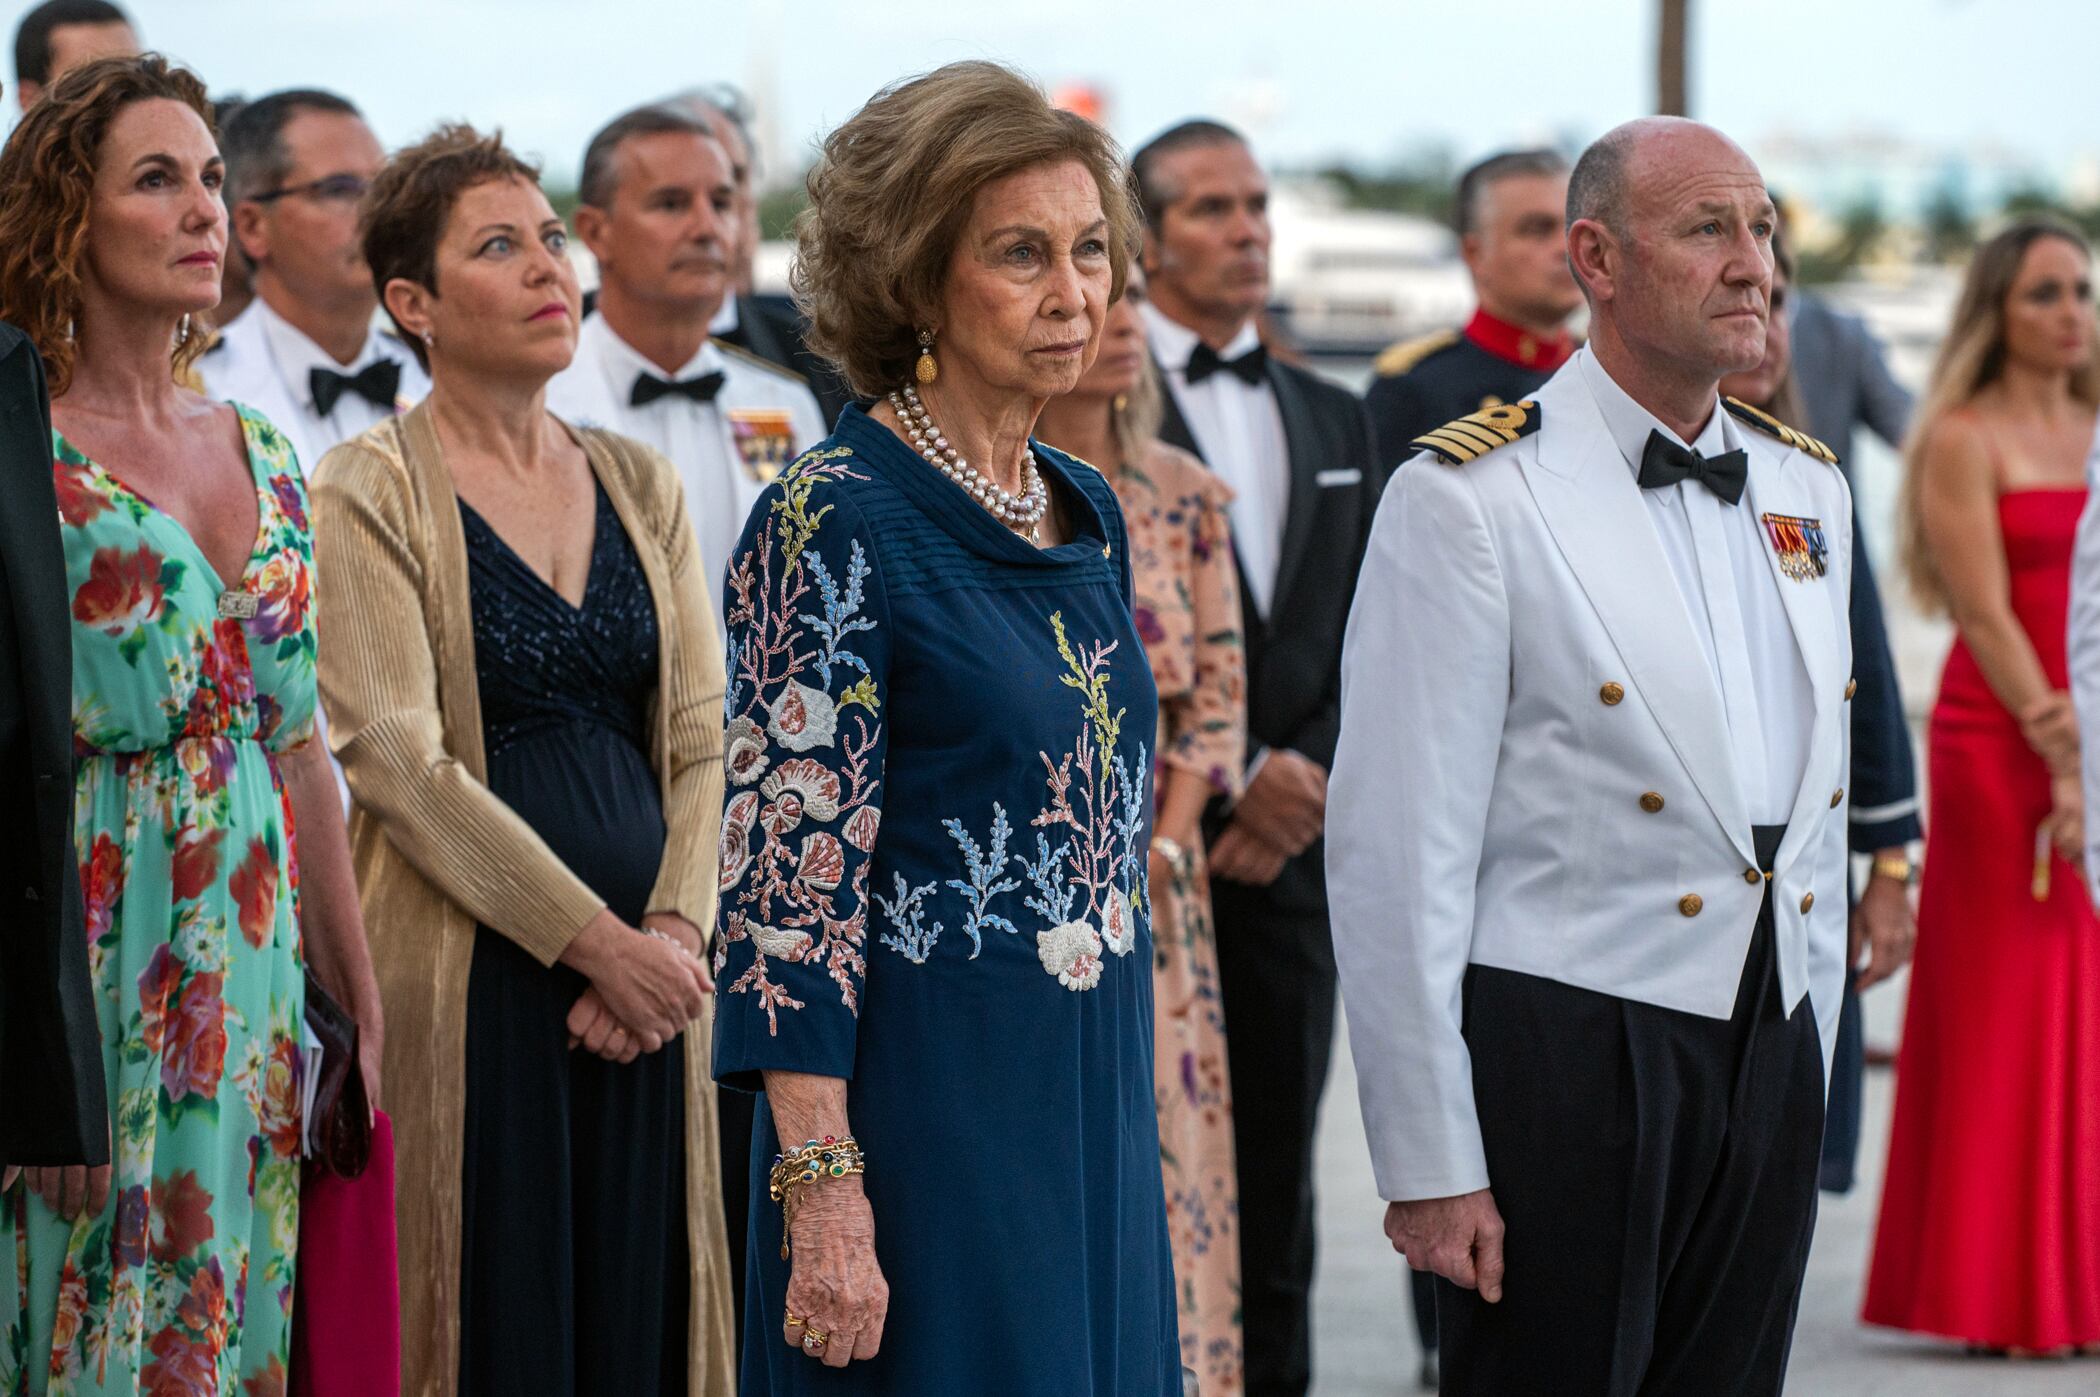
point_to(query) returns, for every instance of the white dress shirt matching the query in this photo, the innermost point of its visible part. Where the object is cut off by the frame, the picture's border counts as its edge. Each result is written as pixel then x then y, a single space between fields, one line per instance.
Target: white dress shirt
pixel 1239 431
pixel 262 360
pixel 726 318
pixel 1717 554
pixel 727 451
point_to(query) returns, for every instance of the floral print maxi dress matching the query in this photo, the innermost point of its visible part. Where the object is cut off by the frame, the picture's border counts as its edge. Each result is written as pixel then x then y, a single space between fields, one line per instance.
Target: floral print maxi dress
pixel 1188 613
pixel 183 1283
pixel 934 886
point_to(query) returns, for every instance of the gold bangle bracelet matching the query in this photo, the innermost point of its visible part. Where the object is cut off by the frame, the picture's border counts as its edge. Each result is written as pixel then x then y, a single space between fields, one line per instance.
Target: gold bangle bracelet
pixel 793 1170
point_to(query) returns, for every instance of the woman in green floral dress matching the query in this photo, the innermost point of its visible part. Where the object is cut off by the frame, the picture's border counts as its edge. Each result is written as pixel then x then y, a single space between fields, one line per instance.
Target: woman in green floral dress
pixel 190 566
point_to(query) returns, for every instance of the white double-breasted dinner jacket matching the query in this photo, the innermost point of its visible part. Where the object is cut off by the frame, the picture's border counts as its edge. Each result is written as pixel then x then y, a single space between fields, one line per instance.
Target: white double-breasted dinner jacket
pixel 1537 768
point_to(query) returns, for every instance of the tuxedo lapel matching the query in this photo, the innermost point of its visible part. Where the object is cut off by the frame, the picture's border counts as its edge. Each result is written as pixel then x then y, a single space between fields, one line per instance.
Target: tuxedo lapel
pixel 1593 508
pixel 755 331
pixel 1301 436
pixel 1174 431
pixel 1173 427
pixel 1779 489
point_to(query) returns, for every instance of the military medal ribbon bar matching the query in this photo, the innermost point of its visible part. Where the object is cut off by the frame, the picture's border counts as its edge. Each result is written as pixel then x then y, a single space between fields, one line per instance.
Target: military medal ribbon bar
pixel 1800 544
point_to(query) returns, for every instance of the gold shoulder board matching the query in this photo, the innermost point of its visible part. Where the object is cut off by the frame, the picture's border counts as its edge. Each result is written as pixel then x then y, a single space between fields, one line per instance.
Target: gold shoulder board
pixel 1459 442
pixel 1771 426
pixel 761 362
pixel 1401 357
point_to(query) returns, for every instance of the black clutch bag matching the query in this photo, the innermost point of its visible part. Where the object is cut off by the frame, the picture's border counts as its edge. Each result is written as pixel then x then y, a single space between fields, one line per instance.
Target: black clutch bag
pixel 339 1134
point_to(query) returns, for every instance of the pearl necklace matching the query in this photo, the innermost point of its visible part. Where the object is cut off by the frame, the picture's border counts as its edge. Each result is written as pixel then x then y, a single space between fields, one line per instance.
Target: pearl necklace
pixel 1021 513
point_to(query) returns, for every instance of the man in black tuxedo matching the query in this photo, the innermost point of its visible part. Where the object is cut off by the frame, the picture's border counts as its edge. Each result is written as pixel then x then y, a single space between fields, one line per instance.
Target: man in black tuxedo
pixel 52 1105
pixel 767 325
pixel 1297 452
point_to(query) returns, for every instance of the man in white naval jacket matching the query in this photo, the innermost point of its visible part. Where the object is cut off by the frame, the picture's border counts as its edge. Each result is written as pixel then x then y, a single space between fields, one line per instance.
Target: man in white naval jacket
pixel 1586 833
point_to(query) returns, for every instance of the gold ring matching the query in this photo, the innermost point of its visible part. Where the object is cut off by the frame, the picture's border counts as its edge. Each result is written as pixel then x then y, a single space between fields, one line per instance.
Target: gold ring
pixel 795 1321
pixel 814 1340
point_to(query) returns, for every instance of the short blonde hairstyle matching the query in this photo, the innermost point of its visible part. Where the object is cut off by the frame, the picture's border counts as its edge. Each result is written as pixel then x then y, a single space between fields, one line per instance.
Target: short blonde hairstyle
pixel 893 189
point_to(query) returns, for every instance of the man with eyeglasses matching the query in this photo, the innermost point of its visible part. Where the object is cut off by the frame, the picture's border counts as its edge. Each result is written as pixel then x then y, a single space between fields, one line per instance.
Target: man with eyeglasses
pixel 307 352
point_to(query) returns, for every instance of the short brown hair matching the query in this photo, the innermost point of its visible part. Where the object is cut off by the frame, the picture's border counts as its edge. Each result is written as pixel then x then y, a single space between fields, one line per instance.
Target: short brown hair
pixel 47 181
pixel 890 196
pixel 406 210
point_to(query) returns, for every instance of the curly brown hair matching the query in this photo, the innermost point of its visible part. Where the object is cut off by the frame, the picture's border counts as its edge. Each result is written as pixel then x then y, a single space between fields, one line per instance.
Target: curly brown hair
pixel 891 194
pixel 47 180
pixel 405 212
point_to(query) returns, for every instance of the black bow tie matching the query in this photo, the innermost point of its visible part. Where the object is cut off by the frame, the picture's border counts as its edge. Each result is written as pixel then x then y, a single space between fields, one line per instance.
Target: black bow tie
pixel 648 388
pixel 1664 463
pixel 377 383
pixel 1248 368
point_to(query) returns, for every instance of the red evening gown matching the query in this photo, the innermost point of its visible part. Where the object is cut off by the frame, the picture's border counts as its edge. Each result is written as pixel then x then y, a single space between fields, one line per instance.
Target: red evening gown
pixel 1990 1215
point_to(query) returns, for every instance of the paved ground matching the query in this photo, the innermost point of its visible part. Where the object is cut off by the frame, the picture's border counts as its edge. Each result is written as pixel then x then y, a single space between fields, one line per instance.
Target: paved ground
pixel 1366 1341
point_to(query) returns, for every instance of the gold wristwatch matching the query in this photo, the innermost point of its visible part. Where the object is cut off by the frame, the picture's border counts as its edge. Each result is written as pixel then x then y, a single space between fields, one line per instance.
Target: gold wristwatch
pixel 1897 867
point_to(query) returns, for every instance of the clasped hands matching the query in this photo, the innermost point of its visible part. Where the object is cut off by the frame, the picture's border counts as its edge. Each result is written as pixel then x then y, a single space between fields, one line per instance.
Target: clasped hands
pixel 1282 812
pixel 646 985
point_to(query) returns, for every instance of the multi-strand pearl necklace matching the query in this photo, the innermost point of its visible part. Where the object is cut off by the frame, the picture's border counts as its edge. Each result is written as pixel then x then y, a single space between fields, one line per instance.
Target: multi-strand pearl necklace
pixel 1022 513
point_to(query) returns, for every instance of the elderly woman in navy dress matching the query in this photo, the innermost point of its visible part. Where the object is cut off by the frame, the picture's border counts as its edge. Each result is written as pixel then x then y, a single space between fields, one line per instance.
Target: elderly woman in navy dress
pixel 934 952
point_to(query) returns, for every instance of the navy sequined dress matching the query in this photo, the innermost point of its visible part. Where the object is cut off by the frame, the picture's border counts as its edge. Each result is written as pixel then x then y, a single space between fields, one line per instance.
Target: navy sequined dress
pixel 573 1263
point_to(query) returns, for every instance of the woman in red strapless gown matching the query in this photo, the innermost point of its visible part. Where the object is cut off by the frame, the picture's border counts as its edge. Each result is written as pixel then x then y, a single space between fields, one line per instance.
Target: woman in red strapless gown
pixel 1990 1213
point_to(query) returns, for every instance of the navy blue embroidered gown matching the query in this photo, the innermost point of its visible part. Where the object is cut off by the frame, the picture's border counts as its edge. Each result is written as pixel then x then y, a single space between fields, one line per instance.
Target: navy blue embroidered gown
pixel 933 885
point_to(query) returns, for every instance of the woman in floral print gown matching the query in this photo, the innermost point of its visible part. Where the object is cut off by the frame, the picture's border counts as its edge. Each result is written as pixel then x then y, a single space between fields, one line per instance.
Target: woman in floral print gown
pixel 935 930
pixel 1188 614
pixel 189 562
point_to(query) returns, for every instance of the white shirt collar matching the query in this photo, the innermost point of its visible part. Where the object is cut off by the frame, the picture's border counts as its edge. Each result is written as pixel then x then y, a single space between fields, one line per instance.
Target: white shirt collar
pixel 725 321
pixel 296 356
pixel 623 363
pixel 1629 423
pixel 1173 342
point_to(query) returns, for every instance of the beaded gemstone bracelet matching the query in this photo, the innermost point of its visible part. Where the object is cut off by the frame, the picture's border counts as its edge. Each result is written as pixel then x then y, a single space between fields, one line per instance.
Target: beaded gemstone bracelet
pixel 828 1158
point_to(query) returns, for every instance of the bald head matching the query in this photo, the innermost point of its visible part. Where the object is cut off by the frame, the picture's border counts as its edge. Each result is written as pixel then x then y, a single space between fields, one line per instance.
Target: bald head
pixel 1670 234
pixel 1635 155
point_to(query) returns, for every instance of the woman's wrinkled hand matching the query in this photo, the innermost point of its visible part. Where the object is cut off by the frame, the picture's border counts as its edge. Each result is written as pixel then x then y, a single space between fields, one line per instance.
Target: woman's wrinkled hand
pixel 688 938
pixel 652 985
pixel 596 1029
pixel 835 1285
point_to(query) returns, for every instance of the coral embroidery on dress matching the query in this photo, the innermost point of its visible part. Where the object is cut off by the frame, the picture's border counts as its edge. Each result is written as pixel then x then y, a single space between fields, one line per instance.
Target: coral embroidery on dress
pixel 1088 884
pixel 803 750
pixel 787 871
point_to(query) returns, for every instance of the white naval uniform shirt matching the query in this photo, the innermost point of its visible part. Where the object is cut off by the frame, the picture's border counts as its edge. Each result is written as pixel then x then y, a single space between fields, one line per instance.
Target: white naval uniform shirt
pixel 726 318
pixel 1717 554
pixel 1240 430
pixel 725 451
pixel 263 361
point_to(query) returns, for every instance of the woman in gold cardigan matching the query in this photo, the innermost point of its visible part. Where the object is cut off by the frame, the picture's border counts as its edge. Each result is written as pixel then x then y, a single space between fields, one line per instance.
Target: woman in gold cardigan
pixel 525 691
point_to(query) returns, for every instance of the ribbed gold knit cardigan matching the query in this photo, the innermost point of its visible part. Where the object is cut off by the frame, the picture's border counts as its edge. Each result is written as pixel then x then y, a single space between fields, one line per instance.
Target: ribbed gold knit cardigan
pixel 437 852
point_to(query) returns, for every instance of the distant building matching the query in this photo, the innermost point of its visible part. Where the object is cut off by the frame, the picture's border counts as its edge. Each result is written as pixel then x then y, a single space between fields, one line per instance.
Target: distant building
pixel 1901 177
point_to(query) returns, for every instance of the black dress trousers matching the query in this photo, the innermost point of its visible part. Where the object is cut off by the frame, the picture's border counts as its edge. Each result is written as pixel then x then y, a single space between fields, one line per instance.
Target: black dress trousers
pixel 1276 983
pixel 1656 1171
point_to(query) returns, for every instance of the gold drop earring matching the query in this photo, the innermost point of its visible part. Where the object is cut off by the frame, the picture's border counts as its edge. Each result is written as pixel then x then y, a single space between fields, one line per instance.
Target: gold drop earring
pixel 927 370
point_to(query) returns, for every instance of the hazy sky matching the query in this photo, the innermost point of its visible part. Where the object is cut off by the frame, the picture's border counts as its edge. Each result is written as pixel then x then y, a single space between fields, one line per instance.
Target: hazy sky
pixel 1359 78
